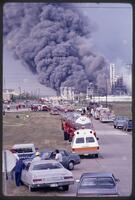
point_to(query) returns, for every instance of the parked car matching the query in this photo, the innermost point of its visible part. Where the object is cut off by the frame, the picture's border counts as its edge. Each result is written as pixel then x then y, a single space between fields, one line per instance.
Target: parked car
pixel 119 121
pixel 127 125
pixel 46 173
pixel 107 117
pixel 97 184
pixel 69 160
pixel 54 112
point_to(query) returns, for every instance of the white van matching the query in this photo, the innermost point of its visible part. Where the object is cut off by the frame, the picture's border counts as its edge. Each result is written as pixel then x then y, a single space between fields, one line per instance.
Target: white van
pixel 85 143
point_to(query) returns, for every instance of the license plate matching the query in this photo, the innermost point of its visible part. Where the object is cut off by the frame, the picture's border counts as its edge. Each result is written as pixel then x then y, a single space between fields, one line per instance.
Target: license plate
pixel 53 185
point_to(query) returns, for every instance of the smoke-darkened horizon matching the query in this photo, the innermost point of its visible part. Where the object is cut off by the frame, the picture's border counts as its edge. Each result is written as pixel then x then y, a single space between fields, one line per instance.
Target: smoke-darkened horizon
pixel 52 41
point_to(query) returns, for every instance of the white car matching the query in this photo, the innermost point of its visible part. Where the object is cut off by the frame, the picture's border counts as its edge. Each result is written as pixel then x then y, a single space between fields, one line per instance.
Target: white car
pixel 46 173
pixel 107 117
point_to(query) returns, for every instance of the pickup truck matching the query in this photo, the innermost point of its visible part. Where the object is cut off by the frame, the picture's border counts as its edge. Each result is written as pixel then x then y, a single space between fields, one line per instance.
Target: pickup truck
pixel 24 151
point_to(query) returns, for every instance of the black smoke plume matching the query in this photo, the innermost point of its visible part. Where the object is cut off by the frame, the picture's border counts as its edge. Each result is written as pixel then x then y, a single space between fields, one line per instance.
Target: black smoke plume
pixel 51 40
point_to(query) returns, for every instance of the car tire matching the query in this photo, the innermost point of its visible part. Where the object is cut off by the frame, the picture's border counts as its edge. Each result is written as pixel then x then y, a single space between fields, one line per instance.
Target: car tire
pixel 114 126
pixel 71 165
pixel 70 139
pixel 65 136
pixel 31 189
pixel 22 183
pixel 96 155
pixel 65 187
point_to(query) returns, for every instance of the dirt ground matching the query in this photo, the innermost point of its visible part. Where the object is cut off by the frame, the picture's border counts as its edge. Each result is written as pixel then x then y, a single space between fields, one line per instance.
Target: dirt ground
pixel 40 128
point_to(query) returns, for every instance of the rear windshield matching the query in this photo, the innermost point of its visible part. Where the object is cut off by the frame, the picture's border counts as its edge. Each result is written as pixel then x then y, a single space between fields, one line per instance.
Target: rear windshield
pixel 47 166
pixel 97 182
pixel 89 139
pixel 79 140
pixel 122 118
pixel 23 150
pixel 86 126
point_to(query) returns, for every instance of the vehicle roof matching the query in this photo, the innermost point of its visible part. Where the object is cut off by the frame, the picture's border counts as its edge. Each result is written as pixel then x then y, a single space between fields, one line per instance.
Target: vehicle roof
pixel 83 132
pixel 23 145
pixel 97 174
pixel 44 161
pixel 83 120
pixel 123 116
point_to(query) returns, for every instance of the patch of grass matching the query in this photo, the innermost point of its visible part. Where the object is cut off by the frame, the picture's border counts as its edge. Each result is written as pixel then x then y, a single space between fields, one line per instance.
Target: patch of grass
pixel 41 128
pixel 122 108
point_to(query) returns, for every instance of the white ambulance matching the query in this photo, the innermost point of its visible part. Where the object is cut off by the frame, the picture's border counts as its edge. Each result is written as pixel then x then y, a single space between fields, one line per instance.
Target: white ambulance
pixel 85 143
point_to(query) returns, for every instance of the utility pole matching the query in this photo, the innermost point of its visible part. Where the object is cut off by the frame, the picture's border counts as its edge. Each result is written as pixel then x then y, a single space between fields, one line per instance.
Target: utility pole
pixel 106 92
pixel 19 91
pixel 4 83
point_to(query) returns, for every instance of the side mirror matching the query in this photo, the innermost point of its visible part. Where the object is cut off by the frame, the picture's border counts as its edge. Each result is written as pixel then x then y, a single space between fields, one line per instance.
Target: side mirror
pixel 97 138
pixel 117 179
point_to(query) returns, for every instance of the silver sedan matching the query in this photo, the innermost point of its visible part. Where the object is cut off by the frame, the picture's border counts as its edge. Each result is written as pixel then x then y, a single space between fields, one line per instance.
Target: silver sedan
pixel 46 173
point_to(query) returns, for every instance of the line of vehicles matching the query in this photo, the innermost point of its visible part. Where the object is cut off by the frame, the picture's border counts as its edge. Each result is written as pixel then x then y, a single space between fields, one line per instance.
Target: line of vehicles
pixel 78 129
pixel 49 173
pixel 106 115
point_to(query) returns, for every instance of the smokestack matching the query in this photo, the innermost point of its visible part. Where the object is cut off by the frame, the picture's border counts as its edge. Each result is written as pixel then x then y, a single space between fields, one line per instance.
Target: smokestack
pixel 48 39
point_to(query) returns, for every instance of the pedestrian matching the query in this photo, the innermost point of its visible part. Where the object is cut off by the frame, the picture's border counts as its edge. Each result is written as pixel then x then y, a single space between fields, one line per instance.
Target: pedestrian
pixel 17 107
pixel 13 170
pixel 58 156
pixel 37 157
pixel 8 107
pixel 18 171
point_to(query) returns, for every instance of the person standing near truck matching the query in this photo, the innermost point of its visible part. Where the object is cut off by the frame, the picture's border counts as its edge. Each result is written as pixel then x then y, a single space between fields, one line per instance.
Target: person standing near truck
pixel 18 171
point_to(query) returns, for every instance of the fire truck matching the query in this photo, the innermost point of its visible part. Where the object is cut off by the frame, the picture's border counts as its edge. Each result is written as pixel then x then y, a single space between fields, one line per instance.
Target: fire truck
pixel 70 122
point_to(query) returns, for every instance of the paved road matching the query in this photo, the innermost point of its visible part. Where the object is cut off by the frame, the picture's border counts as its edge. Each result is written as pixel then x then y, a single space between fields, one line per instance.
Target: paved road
pixel 115 156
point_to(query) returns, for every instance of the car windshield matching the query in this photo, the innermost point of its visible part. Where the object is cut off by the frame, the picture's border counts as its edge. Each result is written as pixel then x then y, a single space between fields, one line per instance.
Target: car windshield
pixel 47 166
pixel 97 182
pixel 89 139
pixel 79 140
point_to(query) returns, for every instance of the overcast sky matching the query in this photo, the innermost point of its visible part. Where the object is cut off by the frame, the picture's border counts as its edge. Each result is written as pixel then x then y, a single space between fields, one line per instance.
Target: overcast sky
pixel 113 34
pixel 111 38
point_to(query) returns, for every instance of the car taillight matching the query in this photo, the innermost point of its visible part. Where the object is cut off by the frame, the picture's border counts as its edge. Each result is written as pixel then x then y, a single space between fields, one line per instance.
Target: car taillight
pixel 73 149
pixel 66 177
pixel 37 180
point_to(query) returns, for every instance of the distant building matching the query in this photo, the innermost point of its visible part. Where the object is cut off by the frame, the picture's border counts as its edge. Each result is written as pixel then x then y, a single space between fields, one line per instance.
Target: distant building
pixel 67 93
pixel 8 93
pixel 112 74
pixel 119 87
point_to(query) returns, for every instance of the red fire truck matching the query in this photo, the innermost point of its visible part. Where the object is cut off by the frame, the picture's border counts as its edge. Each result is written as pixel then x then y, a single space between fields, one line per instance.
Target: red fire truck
pixel 71 122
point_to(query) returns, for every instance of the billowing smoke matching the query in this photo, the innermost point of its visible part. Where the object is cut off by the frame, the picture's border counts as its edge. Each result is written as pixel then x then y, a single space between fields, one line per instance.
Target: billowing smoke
pixel 52 41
